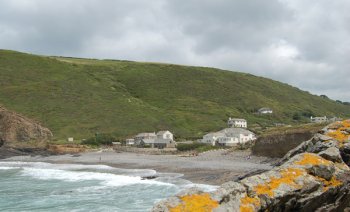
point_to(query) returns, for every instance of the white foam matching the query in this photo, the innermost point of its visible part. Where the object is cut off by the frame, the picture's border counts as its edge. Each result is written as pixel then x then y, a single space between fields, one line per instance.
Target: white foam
pixel 106 175
pixel 83 167
pixel 7 168
pixel 107 179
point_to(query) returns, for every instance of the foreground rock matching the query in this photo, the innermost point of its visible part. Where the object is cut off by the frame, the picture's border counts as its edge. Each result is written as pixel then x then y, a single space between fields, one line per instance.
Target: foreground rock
pixel 315 176
pixel 17 128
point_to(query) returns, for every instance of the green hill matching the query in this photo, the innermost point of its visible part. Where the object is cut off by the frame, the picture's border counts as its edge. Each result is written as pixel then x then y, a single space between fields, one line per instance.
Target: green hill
pixel 79 97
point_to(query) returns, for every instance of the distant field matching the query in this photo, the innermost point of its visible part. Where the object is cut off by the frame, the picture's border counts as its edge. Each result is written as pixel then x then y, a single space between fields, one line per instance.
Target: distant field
pixel 80 97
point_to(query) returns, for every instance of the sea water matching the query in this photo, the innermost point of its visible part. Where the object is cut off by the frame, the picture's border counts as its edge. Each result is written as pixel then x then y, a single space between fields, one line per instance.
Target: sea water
pixel 36 186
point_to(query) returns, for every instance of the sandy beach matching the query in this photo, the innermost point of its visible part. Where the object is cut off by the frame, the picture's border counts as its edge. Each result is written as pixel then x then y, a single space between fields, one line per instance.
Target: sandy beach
pixel 213 167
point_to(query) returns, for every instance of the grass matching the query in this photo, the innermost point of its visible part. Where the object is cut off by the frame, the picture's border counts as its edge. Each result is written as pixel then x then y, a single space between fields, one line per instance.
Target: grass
pixel 77 97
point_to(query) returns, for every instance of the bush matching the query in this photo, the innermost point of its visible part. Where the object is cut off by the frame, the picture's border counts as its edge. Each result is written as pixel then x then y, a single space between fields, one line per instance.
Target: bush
pixel 100 139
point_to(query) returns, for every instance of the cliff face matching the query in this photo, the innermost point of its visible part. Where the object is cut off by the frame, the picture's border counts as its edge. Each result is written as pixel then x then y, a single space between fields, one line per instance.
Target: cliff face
pixel 276 146
pixel 17 128
pixel 315 176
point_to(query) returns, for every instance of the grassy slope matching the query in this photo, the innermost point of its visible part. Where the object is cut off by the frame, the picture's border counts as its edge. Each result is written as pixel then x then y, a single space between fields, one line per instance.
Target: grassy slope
pixel 78 97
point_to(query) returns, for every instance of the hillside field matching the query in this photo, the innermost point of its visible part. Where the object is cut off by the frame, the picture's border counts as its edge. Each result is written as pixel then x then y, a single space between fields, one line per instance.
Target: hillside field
pixel 80 97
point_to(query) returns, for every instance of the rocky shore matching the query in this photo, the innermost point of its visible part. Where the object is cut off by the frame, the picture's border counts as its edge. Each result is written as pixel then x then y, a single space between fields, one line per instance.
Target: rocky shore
pixel 213 167
pixel 315 176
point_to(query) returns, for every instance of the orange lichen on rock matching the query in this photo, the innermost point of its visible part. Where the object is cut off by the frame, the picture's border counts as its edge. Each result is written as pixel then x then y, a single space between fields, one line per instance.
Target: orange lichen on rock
pixel 248 203
pixel 339 134
pixel 312 159
pixel 333 182
pixel 196 202
pixel 288 177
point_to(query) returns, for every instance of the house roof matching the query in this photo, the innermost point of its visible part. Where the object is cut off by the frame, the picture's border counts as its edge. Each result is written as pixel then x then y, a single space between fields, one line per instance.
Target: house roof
pixel 235 131
pixel 156 141
pixel 215 134
pixel 148 141
pixel 145 134
pixel 236 119
pixel 163 132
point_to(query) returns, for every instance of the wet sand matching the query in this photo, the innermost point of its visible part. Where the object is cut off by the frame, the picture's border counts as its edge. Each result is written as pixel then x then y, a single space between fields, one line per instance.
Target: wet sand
pixel 213 167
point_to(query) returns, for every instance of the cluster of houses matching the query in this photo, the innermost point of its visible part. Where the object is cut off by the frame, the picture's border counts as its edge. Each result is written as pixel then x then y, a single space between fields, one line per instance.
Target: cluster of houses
pixel 234 135
pixel 160 140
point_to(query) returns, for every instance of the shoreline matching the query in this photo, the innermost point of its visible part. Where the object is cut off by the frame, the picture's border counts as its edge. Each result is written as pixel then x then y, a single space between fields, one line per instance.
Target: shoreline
pixel 211 168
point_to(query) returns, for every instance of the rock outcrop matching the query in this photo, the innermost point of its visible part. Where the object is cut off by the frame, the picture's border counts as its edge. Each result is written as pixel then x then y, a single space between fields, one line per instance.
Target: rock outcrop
pixel 315 176
pixel 277 143
pixel 17 128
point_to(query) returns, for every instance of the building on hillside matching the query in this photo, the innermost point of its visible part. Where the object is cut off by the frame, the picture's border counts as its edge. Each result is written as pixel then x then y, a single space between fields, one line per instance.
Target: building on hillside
pixel 165 135
pixel 160 140
pixel 235 122
pixel 265 110
pixel 318 119
pixel 157 143
pixel 142 136
pixel 211 138
pixel 229 137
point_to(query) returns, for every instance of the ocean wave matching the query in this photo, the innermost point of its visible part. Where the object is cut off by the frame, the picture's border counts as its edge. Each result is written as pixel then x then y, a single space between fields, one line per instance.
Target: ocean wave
pixel 107 179
pixel 106 175
pixel 81 167
pixel 7 168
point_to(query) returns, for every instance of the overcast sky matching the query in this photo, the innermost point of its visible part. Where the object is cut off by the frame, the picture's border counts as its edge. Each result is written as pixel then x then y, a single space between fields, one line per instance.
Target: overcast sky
pixel 305 43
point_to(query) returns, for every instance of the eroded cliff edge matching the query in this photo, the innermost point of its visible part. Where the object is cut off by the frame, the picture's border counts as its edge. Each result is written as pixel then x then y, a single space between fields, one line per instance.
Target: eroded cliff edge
pixel 20 135
pixel 315 176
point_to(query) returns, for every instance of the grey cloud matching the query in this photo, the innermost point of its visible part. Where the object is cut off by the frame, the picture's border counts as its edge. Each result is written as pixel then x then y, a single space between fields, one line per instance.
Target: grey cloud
pixel 303 43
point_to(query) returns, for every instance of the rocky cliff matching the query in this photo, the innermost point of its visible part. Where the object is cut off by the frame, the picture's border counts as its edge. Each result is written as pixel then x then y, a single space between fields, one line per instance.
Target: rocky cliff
pixel 17 128
pixel 315 176
pixel 277 143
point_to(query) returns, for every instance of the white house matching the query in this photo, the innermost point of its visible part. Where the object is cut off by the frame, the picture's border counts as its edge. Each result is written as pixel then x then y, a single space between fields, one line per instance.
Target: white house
pixel 265 110
pixel 318 119
pixel 165 135
pixel 240 135
pixel 211 138
pixel 159 143
pixel 229 137
pixel 142 136
pixel 160 140
pixel 235 122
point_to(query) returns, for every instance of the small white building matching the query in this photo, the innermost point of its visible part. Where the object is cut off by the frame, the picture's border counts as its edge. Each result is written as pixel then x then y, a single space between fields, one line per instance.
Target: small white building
pixel 318 119
pixel 211 138
pixel 235 122
pixel 165 135
pixel 130 142
pixel 265 110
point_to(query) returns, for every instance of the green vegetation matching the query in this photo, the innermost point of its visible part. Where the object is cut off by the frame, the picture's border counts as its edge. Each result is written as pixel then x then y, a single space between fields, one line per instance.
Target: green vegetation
pixel 80 97
pixel 199 147
pixel 311 127
pixel 100 139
